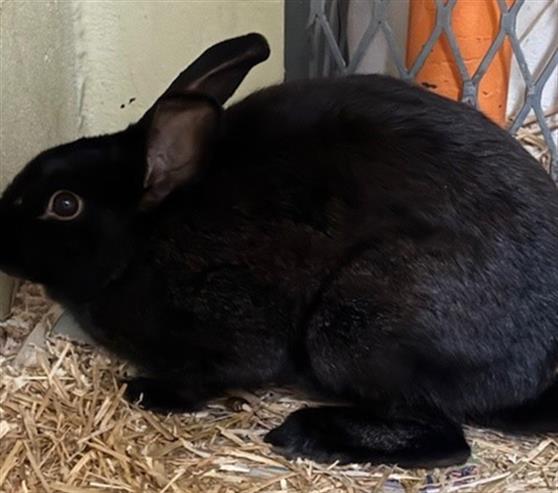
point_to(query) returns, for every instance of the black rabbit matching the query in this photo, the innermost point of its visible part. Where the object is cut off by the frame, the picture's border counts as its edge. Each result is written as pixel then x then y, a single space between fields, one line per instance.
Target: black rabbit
pixel 361 238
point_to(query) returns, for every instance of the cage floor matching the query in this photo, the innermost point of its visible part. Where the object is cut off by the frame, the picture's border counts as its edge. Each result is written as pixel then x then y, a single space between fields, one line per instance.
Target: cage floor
pixel 64 427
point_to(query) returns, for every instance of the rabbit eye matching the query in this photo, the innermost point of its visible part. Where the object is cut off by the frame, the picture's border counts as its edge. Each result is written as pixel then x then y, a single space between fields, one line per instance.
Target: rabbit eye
pixel 64 205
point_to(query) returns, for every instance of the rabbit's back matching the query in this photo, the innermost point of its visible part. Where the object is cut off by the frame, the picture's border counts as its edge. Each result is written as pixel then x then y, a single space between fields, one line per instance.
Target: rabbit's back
pixel 352 157
pixel 425 223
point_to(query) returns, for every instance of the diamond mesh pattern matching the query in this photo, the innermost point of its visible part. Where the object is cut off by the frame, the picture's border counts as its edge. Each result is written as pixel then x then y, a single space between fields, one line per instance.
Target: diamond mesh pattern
pixel 329 54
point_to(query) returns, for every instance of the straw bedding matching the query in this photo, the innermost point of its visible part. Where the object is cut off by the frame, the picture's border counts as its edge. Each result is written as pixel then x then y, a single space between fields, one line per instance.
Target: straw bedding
pixel 64 427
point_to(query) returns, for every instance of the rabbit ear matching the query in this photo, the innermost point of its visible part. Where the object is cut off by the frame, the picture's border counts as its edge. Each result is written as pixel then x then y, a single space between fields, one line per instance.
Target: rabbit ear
pixel 184 118
pixel 177 143
pixel 219 70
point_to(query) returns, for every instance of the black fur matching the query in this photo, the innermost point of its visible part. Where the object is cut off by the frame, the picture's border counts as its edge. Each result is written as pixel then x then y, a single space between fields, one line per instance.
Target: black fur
pixel 359 237
pixel 349 434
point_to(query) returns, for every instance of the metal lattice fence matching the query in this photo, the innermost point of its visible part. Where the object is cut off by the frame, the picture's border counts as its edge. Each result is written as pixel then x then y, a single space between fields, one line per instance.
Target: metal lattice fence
pixel 329 55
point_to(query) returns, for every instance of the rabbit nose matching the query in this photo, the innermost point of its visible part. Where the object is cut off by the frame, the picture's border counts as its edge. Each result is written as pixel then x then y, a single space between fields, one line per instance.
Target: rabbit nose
pixel 4 233
pixel 3 219
pixel 3 224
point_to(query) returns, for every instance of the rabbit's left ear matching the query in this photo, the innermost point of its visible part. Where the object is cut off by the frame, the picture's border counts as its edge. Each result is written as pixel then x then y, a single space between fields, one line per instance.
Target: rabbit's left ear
pixel 178 139
pixel 184 119
pixel 219 70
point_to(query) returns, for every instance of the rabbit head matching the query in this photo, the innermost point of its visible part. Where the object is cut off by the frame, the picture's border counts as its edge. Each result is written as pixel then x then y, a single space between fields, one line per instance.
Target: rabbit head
pixel 73 216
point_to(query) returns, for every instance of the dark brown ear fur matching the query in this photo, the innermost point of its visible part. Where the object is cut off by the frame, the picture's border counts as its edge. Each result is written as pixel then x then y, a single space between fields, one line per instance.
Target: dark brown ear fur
pixel 184 119
pixel 219 70
pixel 178 139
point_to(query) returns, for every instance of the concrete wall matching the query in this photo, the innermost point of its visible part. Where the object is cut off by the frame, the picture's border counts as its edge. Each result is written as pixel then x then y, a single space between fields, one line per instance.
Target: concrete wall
pixel 134 49
pixel 83 67
pixel 38 99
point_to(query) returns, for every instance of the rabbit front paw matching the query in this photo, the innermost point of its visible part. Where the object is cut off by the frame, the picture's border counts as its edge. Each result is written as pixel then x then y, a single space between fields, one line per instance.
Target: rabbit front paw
pixel 160 396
